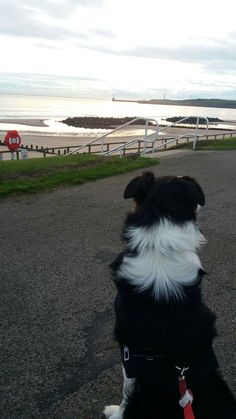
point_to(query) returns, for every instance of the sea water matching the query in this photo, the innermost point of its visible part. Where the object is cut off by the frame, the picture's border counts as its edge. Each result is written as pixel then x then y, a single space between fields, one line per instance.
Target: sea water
pixel 52 110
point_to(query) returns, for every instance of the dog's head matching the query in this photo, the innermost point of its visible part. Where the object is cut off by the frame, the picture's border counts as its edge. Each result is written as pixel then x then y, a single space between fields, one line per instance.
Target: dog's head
pixel 172 197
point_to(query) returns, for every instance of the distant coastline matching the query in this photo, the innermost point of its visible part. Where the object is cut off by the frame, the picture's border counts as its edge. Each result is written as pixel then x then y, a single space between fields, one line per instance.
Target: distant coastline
pixel 209 103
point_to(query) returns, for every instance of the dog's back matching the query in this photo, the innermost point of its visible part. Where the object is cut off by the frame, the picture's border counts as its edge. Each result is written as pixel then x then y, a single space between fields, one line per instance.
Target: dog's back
pixel 162 326
pixel 157 337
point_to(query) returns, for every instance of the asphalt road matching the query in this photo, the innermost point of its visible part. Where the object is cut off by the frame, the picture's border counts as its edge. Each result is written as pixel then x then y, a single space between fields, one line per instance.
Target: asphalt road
pixel 58 358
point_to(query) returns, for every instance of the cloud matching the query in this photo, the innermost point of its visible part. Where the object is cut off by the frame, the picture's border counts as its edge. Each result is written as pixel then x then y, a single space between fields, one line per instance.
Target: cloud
pixel 88 3
pixel 191 53
pixel 48 20
pixel 184 53
pixel 18 21
pixel 45 78
pixel 106 33
pixel 24 83
pixel 31 19
pixel 82 37
pixel 54 47
pixel 83 86
pixel 61 8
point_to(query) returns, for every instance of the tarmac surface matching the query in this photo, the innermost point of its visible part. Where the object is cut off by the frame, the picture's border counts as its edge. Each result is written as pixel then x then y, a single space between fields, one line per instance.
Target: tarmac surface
pixel 58 359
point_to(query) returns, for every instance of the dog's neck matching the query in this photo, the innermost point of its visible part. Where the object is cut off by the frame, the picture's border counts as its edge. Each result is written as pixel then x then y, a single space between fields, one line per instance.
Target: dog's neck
pixel 162 257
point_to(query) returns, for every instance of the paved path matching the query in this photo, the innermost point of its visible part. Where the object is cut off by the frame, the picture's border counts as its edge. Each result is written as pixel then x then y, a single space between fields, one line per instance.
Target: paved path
pixel 58 359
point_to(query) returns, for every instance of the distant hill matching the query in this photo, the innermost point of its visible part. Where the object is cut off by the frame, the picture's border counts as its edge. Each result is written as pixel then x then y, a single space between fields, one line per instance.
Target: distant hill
pixel 210 103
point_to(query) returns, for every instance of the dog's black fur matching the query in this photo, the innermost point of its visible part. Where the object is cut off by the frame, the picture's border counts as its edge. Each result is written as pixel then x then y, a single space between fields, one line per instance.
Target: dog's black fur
pixel 167 331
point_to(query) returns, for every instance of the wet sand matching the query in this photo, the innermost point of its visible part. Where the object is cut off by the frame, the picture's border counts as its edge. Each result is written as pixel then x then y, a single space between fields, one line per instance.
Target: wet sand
pixel 20 121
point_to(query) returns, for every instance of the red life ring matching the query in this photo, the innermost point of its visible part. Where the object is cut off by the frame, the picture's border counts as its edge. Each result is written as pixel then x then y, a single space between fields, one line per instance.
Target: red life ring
pixel 12 140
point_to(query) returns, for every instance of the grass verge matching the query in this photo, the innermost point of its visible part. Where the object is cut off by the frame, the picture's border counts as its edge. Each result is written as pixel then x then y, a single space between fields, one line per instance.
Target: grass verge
pixel 34 175
pixel 224 144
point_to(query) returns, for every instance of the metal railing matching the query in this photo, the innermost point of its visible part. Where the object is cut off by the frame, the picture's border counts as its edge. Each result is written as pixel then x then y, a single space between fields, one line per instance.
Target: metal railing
pixel 196 134
pixel 102 138
pixel 152 138
pixel 142 145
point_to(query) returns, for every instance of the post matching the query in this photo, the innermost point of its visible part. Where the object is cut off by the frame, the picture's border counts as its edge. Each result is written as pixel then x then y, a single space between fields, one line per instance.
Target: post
pixel 153 146
pixel 24 154
pixel 157 132
pixel 145 137
pixel 146 130
pixel 196 135
pixel 139 146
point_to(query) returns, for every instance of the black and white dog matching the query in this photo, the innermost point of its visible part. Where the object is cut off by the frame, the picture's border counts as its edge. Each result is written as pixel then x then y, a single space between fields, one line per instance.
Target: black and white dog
pixel 164 330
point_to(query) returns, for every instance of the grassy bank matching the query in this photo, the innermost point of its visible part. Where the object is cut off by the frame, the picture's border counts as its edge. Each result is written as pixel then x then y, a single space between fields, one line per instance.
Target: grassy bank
pixel 34 175
pixel 224 144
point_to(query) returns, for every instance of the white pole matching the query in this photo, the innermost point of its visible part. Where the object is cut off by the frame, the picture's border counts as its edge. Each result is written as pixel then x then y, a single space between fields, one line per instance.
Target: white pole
pixel 145 137
pixel 196 134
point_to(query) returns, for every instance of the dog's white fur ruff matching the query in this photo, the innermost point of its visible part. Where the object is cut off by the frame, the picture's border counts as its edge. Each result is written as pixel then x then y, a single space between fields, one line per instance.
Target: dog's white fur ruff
pixel 166 257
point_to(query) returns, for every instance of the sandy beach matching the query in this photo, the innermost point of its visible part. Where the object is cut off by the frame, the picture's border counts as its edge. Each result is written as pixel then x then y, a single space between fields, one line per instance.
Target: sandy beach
pixel 28 121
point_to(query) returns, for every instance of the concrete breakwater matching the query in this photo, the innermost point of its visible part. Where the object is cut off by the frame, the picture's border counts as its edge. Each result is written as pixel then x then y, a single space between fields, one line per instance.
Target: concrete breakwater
pixel 94 122
pixel 102 122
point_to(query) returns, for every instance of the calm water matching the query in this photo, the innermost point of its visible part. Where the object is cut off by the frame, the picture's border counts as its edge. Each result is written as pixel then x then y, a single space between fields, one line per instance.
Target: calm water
pixel 54 109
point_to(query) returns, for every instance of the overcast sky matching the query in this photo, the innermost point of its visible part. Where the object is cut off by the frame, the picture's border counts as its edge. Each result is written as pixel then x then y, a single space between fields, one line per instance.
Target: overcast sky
pixel 132 48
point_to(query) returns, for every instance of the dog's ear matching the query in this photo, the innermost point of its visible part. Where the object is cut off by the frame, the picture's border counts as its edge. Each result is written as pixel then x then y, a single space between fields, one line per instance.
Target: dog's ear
pixel 139 187
pixel 194 191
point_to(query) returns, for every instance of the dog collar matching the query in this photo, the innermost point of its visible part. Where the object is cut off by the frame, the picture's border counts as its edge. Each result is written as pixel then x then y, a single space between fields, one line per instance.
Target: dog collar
pixel 150 354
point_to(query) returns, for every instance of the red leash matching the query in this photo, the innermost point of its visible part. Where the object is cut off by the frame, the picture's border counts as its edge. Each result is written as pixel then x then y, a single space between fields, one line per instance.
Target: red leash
pixel 186 396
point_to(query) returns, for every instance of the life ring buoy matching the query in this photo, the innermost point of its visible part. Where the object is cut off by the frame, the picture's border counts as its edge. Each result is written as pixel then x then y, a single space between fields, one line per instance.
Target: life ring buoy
pixel 12 140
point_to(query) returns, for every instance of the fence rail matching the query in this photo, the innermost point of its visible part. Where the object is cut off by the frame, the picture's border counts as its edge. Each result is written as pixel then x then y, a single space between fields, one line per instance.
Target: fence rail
pixel 135 146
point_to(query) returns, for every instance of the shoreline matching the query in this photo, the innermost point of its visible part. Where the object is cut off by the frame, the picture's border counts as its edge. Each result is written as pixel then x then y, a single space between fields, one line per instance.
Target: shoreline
pixel 98 122
pixel 65 139
pixel 24 121
pixel 203 103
